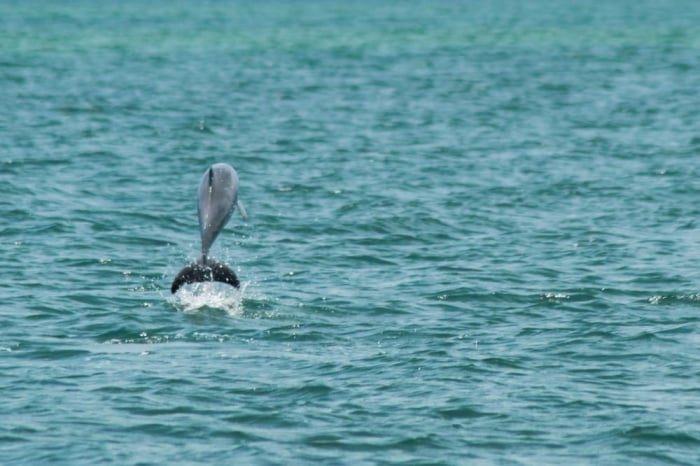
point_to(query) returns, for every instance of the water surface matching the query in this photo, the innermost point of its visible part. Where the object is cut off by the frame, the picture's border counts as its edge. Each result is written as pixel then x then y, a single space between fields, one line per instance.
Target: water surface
pixel 472 234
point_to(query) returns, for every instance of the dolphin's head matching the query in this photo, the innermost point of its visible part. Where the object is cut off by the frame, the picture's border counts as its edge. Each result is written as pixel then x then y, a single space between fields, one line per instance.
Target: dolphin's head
pixel 218 195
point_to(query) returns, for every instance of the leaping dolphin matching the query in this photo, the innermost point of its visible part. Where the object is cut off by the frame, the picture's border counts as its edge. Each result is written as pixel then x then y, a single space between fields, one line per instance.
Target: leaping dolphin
pixel 218 197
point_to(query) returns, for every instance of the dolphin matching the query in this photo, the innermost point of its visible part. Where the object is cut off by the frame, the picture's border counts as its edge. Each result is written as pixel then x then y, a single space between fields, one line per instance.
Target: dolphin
pixel 218 197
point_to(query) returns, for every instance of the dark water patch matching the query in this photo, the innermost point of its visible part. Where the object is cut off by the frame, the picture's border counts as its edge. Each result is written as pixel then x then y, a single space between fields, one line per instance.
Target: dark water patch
pixel 13 439
pixel 359 443
pixel 660 434
pixel 237 435
pixel 76 110
pixel 506 362
pixel 163 430
pixel 41 353
pixel 659 457
pixel 42 163
pixel 462 412
pixel 121 390
pixel 166 411
pixel 362 260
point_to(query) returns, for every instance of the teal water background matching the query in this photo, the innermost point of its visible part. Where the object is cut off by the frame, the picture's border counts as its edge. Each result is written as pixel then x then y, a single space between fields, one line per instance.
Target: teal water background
pixel 473 232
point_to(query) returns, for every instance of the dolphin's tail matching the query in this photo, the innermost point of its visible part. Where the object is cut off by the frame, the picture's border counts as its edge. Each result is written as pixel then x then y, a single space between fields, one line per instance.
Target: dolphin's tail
pixel 204 270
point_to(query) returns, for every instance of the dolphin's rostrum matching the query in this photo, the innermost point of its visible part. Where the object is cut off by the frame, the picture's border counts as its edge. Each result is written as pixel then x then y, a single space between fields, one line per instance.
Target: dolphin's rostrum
pixel 218 197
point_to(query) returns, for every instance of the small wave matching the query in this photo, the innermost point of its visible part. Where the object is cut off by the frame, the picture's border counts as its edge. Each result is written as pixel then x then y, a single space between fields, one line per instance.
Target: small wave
pixel 672 299
pixel 210 295
pixel 555 296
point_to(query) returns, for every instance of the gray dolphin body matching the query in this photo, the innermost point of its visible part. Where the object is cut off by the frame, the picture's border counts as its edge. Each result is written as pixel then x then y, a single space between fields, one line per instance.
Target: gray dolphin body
pixel 218 197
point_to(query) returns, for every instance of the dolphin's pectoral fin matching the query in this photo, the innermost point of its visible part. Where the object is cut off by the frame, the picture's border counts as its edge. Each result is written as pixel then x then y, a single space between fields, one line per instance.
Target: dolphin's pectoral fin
pixel 241 209
pixel 211 271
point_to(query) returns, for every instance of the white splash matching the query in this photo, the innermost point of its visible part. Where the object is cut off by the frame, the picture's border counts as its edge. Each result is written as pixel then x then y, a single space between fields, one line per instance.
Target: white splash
pixel 195 297
pixel 555 296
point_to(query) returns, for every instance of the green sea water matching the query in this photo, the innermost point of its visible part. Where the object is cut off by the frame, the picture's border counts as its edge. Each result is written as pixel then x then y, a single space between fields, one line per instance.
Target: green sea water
pixel 473 232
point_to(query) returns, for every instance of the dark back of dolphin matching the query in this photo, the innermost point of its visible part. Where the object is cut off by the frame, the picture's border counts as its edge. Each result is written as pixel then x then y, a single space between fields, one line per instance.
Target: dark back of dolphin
pixel 218 197
pixel 207 272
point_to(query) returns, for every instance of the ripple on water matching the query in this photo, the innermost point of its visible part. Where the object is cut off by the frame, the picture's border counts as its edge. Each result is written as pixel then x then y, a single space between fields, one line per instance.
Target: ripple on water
pixel 472 233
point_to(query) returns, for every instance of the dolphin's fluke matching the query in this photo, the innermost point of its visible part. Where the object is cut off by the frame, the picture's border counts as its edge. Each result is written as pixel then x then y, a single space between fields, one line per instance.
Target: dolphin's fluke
pixel 206 271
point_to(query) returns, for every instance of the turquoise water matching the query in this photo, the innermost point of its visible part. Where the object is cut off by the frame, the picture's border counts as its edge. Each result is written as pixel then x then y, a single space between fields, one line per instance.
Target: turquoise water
pixel 472 236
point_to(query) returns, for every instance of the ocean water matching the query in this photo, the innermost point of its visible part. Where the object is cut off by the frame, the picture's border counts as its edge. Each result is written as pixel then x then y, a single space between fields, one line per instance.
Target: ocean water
pixel 473 232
